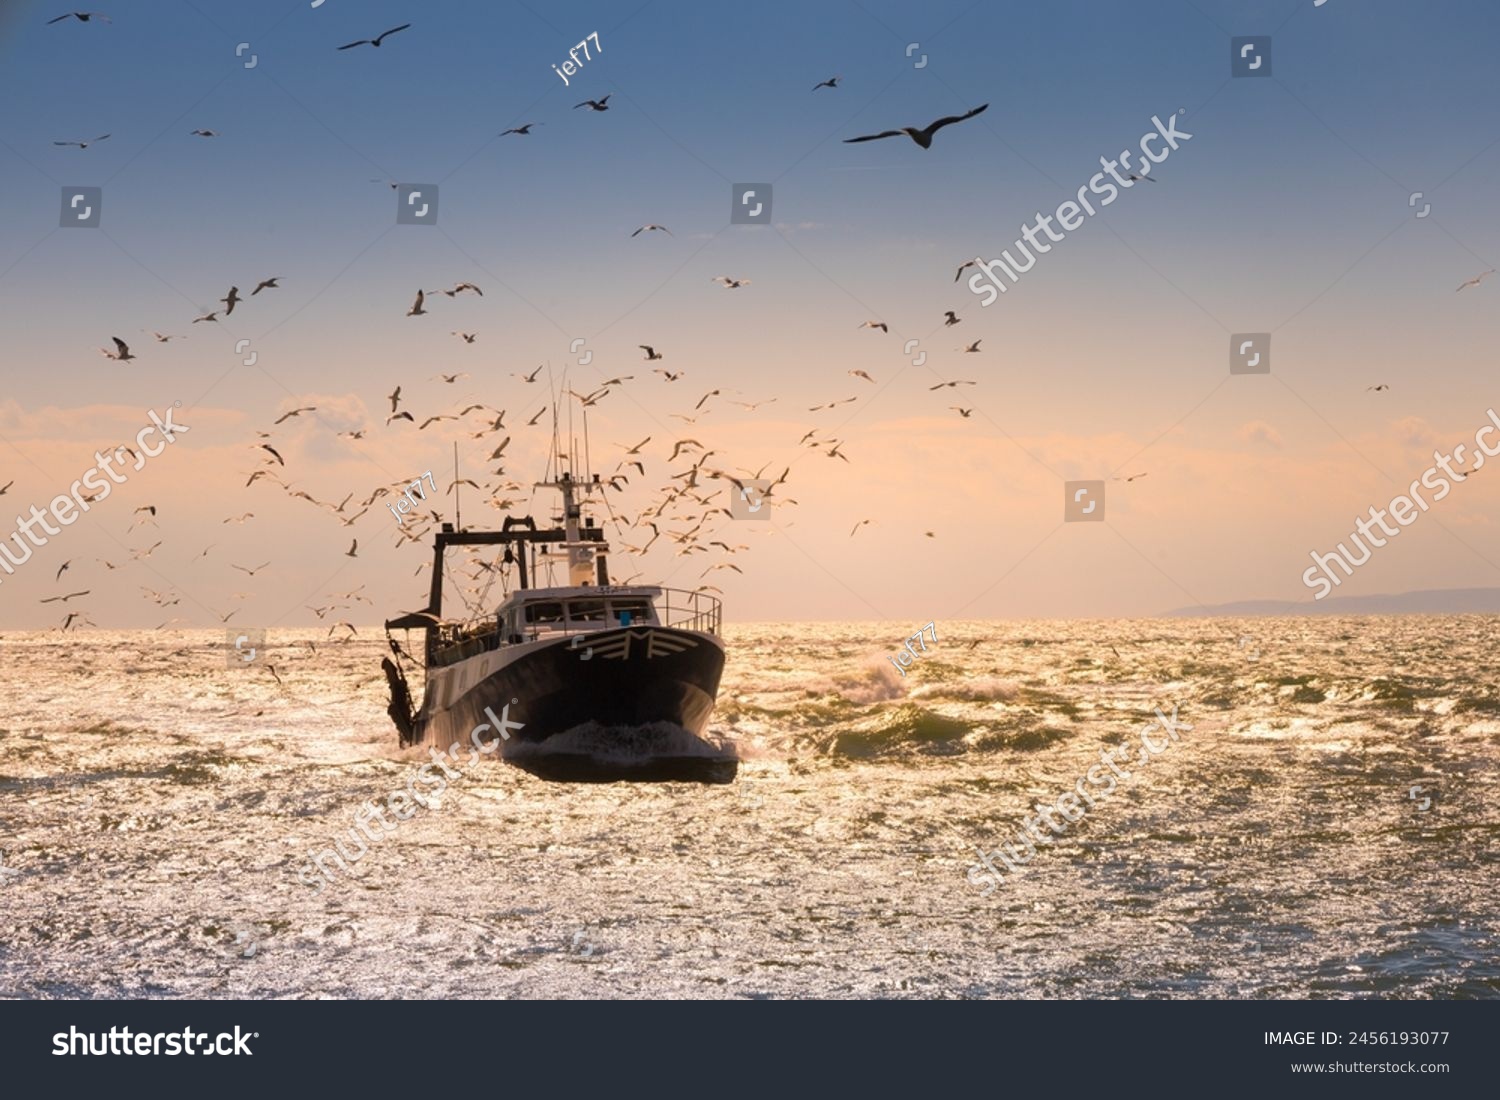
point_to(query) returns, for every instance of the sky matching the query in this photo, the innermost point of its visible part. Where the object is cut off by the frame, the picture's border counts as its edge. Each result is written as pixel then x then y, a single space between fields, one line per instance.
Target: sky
pixel 1290 211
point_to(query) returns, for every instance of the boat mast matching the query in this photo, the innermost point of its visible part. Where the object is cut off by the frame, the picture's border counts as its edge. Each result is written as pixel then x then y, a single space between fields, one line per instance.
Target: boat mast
pixel 580 552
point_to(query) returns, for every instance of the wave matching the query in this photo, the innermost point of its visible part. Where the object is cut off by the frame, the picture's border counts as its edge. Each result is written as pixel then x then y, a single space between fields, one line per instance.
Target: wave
pixel 904 728
pixel 622 744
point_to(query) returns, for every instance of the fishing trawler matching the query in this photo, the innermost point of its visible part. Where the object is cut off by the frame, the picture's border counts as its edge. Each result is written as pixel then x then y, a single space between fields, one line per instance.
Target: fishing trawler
pixel 608 682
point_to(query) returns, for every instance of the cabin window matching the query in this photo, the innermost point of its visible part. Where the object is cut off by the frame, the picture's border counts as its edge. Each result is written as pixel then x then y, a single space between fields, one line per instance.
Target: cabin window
pixel 586 611
pixel 544 613
pixel 626 612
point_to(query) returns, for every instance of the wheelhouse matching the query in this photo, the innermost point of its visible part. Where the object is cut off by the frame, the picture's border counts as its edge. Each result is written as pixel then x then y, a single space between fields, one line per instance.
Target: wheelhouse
pixel 537 613
pixel 543 614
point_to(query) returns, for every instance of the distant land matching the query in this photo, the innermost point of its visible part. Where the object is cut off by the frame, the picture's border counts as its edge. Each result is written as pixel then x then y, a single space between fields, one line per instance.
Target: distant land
pixel 1431 601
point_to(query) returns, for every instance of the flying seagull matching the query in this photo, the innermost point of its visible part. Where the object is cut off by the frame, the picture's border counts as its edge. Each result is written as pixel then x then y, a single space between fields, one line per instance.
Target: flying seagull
pixel 214 316
pixel 267 284
pixel 353 546
pixel 1476 280
pixel 730 284
pixel 862 374
pixel 1379 388
pixel 416 309
pixel 966 263
pixel 203 133
pixel 942 385
pixel 595 104
pixel 524 131
pixel 162 337
pixel 651 353
pixel 881 325
pixel 121 352
pixel 377 39
pixel 466 337
pixel 647 228
pixel 296 412
pixel 82 144
pixel 965 413
pixel 922 137
pixel 231 300
pixel 81 16
pixel 831 82
pixel 973 348
pixel 950 318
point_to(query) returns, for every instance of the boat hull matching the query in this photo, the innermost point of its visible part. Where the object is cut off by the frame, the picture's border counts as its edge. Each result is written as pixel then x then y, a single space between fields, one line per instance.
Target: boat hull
pixel 628 703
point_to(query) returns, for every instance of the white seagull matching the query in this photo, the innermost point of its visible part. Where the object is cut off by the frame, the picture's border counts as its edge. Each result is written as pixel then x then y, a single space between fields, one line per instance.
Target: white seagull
pixel 82 144
pixel 121 352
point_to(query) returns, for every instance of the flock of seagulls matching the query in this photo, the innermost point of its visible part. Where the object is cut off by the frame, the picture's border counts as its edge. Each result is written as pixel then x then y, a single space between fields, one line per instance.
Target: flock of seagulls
pixel 123 354
pixel 689 487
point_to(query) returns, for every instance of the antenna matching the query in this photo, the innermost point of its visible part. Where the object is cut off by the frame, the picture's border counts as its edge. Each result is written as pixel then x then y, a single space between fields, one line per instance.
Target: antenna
pixel 458 512
pixel 554 462
pixel 588 462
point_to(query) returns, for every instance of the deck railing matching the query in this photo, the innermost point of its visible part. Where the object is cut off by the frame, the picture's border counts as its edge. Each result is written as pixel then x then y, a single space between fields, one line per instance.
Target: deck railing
pixel 675 607
pixel 693 610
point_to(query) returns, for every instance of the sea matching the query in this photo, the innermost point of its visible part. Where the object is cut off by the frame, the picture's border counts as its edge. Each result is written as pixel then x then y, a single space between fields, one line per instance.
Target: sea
pixel 1321 822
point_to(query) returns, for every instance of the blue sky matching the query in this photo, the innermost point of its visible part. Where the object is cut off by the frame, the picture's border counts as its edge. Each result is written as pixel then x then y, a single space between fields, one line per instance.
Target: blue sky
pixel 1287 212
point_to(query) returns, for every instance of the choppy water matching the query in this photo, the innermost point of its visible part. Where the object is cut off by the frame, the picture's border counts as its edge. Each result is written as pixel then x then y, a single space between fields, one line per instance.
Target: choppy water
pixel 156 808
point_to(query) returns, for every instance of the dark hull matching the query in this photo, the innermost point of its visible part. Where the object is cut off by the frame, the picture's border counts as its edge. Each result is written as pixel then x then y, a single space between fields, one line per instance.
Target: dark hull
pixel 625 704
